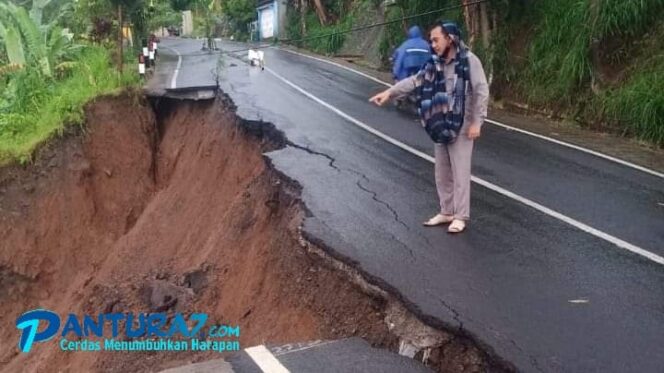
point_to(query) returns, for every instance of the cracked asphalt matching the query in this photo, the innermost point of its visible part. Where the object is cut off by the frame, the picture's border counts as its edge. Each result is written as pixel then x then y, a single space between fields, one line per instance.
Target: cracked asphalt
pixel 509 282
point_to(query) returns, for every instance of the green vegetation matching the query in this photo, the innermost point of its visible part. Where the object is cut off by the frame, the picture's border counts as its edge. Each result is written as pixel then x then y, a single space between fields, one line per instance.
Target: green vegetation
pixel 319 38
pixel 161 14
pixel 575 40
pixel 46 78
pixel 598 62
pixel 239 13
pixel 636 105
pixel 560 53
pixel 214 18
pixel 33 109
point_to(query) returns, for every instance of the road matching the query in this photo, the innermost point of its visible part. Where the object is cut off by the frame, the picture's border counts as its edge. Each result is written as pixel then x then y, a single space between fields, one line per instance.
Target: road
pixel 351 355
pixel 561 268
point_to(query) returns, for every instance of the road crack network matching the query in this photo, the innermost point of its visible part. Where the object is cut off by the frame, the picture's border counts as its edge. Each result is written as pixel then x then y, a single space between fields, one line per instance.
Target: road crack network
pixel 373 194
pixel 455 314
pixel 310 151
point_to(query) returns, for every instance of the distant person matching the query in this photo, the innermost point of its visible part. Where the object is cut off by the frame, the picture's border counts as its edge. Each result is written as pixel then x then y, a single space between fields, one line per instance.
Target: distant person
pixel 411 55
pixel 453 105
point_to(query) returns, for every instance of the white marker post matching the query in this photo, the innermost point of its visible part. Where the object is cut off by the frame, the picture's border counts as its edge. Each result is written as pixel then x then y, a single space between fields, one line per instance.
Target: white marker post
pixel 141 65
pixel 146 53
pixel 151 58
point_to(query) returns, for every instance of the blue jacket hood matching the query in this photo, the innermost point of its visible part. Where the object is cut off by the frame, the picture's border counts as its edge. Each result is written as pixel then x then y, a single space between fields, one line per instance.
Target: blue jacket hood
pixel 411 54
pixel 414 32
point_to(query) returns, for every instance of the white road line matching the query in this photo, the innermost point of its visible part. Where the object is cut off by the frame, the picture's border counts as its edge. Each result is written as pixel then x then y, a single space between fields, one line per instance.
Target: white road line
pixel 499 124
pixel 265 360
pixel 577 224
pixel 177 68
pixel 579 148
pixel 338 65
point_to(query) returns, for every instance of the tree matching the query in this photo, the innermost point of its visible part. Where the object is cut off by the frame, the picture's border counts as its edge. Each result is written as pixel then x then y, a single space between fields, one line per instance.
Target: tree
pixel 321 12
pixel 240 12
pixel 213 8
pixel 162 14
pixel 133 12
pixel 180 5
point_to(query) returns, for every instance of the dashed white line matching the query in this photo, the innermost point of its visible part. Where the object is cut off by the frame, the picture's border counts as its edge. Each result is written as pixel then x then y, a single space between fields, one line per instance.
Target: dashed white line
pixel 499 124
pixel 265 360
pixel 575 223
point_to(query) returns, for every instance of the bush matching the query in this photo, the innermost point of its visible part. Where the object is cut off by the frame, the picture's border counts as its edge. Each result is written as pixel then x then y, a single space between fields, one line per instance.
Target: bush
pixel 638 106
pixel 572 41
pixel 326 39
pixel 33 109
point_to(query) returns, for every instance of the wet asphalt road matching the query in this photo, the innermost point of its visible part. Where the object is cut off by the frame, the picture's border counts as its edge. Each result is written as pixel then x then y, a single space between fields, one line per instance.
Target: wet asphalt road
pixel 511 280
pixel 352 355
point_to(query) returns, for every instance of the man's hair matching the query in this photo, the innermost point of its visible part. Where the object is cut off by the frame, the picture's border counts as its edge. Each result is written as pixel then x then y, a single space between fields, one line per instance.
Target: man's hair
pixel 448 28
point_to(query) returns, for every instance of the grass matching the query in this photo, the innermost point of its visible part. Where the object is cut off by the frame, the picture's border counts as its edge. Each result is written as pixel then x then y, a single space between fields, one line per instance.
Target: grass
pixel 560 53
pixel 558 58
pixel 33 109
pixel 560 69
pixel 319 42
pixel 637 105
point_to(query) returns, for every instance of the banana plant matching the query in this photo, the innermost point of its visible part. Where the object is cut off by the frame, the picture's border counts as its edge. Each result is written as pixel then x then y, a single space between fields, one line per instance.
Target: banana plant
pixel 38 10
pixel 28 43
pixel 13 44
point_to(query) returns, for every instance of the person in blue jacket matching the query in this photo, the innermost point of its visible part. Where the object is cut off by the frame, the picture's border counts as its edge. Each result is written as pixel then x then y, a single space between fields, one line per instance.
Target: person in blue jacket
pixel 411 55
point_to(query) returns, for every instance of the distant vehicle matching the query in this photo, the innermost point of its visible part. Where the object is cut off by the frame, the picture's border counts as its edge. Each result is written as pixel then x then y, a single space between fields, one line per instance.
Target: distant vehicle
pixel 173 31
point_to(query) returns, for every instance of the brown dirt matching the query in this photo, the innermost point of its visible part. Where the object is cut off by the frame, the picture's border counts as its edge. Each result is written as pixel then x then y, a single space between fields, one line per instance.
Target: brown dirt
pixel 173 208
pixel 109 219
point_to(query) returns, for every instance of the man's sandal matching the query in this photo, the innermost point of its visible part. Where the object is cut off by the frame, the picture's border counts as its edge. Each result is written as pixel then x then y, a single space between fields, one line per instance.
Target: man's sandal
pixel 457 226
pixel 439 219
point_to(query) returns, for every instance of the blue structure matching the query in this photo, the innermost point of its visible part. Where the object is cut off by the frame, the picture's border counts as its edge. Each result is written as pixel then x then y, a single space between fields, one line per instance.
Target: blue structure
pixel 271 18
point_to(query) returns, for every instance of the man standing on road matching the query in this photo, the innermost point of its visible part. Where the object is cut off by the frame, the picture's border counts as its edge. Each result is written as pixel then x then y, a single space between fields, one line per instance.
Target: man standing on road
pixel 454 99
